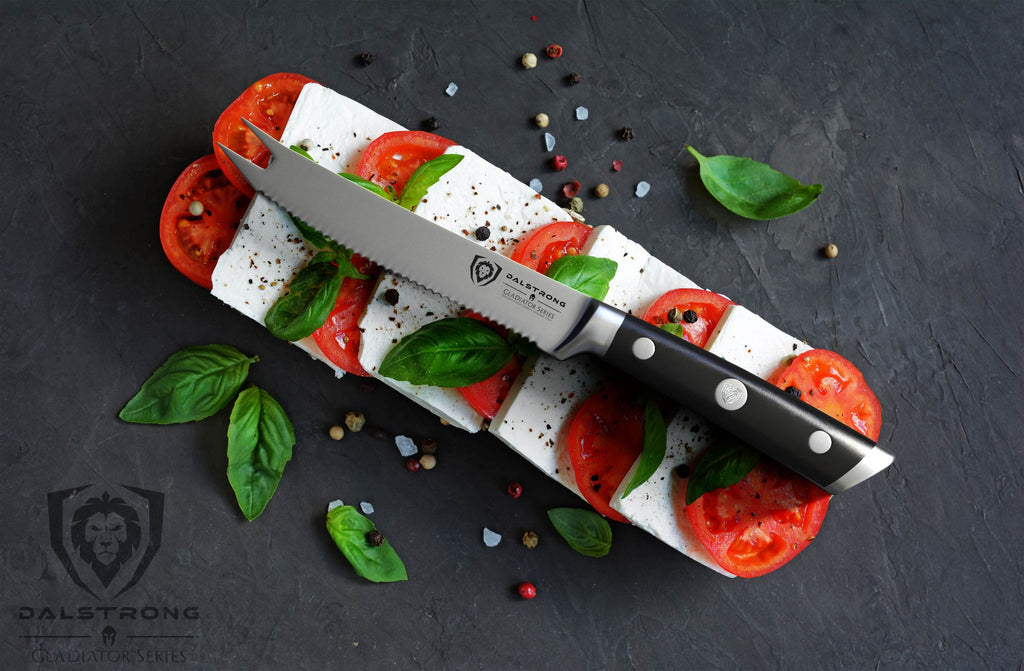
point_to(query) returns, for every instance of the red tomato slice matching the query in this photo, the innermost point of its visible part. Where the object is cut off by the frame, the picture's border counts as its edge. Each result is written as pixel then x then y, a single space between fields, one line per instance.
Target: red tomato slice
pixel 548 243
pixel 487 395
pixel 268 103
pixel 605 437
pixel 833 385
pixel 707 305
pixel 761 522
pixel 392 158
pixel 193 243
pixel 339 337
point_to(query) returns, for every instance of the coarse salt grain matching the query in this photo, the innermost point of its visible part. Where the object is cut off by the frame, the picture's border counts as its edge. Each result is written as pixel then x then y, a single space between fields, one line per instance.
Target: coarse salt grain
pixel 642 189
pixel 406 447
pixel 452 88
pixel 536 185
pixel 582 113
pixel 549 141
pixel 491 538
pixel 366 507
pixel 336 503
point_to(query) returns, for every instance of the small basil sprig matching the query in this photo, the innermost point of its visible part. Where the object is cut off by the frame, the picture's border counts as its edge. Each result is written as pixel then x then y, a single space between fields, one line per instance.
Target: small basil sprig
pixel 451 352
pixel 260 441
pixel 191 385
pixel 590 275
pixel 309 301
pixel 655 439
pixel 751 189
pixel 377 563
pixel 584 530
pixel 724 464
pixel 425 177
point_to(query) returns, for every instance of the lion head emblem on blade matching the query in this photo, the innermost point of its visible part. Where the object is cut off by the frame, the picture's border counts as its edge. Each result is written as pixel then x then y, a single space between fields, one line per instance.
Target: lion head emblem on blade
pixel 105 533
pixel 483 271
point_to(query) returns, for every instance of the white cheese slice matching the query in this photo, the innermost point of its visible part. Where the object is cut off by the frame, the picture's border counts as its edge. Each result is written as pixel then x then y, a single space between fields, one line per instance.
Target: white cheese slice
pixel 474 193
pixel 751 343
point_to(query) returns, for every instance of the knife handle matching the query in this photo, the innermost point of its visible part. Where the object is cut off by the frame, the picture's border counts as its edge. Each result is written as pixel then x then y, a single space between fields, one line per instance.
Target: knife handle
pixel 806 440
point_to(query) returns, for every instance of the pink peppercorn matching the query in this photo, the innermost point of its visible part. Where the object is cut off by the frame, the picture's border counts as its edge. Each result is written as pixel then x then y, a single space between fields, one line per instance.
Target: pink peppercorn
pixel 560 162
pixel 527 590
pixel 515 490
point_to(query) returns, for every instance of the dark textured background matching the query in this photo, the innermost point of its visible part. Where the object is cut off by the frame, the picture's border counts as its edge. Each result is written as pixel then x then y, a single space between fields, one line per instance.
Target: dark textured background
pixel 909 113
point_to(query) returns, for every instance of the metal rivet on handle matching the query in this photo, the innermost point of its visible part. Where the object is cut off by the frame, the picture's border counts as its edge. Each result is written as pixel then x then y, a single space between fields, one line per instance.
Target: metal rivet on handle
pixel 731 394
pixel 819 442
pixel 643 348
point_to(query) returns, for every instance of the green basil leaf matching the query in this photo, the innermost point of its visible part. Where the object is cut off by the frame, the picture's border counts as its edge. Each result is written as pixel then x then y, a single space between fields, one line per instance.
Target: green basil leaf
pixel 302 152
pixel 451 352
pixel 655 441
pixel 342 254
pixel 260 440
pixel 585 531
pixel 522 346
pixel 425 177
pixel 378 563
pixel 309 300
pixel 724 464
pixel 674 329
pixel 751 189
pixel 368 185
pixel 588 274
pixel 192 384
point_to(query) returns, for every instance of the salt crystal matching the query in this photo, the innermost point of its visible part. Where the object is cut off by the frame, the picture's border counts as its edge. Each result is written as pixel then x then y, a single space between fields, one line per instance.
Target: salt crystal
pixel 491 538
pixel 452 88
pixel 582 114
pixel 405 446
pixel 366 507
pixel 549 141
pixel 536 185
pixel 642 189
pixel 336 503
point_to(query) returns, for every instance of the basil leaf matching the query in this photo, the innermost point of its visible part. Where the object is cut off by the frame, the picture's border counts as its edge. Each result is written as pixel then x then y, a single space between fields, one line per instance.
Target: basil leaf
pixel 302 152
pixel 585 531
pixel 378 563
pixel 342 254
pixel 724 464
pixel 522 346
pixel 451 352
pixel 368 185
pixel 425 177
pixel 654 447
pixel 260 440
pixel 309 300
pixel 751 189
pixel 192 384
pixel 674 329
pixel 588 274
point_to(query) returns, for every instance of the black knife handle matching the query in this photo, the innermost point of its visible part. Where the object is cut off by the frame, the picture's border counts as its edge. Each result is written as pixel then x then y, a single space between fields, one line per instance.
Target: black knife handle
pixel 818 447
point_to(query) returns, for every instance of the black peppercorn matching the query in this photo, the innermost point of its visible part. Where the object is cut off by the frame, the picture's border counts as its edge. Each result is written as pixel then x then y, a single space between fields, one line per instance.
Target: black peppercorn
pixel 483 233
pixel 683 471
pixel 366 58
pixel 433 123
pixel 391 296
pixel 575 78
pixel 793 391
pixel 428 446
pixel 375 538
pixel 627 133
pixel 689 316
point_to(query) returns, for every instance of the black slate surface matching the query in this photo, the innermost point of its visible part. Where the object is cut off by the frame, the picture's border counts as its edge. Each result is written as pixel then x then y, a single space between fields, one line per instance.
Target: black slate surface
pixel 908 113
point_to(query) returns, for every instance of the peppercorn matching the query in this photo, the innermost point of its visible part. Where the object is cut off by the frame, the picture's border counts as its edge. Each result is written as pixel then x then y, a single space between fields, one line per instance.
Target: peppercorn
pixel 433 123
pixel 601 190
pixel 527 591
pixel 428 461
pixel 541 120
pixel 683 471
pixel 366 58
pixel 675 315
pixel 690 317
pixel 515 490
pixel 482 233
pixel 553 51
pixel 336 432
pixel 391 296
pixel 412 464
pixel 530 539
pixel 793 391
pixel 428 446
pixel 831 251
pixel 575 78
pixel 627 133
pixel 355 421
pixel 375 538
pixel 559 162
pixel 529 60
pixel 576 204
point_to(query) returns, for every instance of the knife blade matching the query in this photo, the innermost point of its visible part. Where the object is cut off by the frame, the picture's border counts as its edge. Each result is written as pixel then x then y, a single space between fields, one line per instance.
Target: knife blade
pixel 564 322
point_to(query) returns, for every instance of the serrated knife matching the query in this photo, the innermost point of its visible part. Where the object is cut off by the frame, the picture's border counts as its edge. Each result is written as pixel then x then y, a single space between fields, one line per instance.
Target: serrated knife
pixel 564 322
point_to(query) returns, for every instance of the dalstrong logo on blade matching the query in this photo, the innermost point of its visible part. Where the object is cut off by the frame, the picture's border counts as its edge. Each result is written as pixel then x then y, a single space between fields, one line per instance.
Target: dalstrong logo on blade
pixel 483 271
pixel 105 535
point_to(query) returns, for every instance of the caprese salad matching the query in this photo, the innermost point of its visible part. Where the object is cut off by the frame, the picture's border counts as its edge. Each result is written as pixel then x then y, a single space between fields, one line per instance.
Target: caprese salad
pixel 713 500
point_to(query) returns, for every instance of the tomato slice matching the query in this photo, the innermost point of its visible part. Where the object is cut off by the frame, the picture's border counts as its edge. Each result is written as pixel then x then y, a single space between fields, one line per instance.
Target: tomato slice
pixel 761 522
pixel 605 437
pixel 392 158
pixel 193 243
pixel 707 308
pixel 487 395
pixel 833 385
pixel 548 243
pixel 267 103
pixel 339 337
